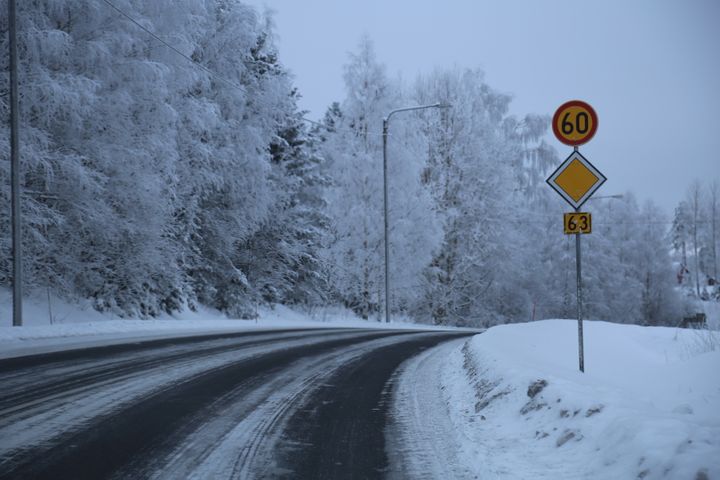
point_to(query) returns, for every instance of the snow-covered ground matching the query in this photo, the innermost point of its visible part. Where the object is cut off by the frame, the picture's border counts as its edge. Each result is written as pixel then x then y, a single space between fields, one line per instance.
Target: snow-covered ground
pixel 509 403
pixel 57 325
pixel 647 406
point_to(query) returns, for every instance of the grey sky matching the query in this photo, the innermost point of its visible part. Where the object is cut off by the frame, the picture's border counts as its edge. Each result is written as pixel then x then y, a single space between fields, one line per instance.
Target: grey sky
pixel 651 69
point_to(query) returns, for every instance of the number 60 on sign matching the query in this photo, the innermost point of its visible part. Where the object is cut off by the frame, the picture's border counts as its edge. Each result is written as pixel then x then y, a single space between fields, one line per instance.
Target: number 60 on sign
pixel 577 222
pixel 575 123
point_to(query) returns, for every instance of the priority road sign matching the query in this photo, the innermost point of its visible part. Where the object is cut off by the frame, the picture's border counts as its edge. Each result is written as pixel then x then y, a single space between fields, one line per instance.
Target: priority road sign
pixel 575 123
pixel 576 179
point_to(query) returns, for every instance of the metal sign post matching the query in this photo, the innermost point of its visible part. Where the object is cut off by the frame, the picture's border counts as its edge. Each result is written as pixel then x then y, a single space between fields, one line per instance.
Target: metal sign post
pixel 581 346
pixel 576 180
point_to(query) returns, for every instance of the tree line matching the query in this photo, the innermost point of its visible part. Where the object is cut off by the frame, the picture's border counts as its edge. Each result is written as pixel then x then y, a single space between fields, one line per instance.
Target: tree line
pixel 166 165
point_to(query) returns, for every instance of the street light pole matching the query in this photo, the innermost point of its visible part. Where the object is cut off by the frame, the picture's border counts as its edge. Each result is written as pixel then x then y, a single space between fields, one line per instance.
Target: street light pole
pixel 15 169
pixel 386 122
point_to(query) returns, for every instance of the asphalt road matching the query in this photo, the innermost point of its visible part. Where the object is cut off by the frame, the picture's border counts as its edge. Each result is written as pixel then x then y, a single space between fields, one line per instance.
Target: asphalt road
pixel 289 404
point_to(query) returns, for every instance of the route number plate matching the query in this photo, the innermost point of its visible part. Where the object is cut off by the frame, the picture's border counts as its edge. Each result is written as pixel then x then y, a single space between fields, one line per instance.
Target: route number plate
pixel 577 222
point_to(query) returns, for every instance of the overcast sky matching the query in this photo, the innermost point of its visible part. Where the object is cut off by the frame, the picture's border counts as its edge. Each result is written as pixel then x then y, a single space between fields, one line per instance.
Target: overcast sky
pixel 650 68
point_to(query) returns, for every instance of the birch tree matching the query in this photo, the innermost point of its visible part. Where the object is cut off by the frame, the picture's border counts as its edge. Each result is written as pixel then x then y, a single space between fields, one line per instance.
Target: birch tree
pixel 694 202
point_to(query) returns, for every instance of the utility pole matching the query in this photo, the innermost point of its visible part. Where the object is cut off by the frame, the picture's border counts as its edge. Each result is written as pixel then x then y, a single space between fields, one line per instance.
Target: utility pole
pixel 15 170
pixel 386 123
pixel 385 217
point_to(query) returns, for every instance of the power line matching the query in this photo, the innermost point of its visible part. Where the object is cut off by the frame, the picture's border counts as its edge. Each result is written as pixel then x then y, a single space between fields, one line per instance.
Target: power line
pixel 189 59
pixel 211 72
pixel 328 128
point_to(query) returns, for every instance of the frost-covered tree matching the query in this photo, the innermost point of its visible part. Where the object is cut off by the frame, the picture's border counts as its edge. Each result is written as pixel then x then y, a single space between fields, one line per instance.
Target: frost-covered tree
pixel 694 235
pixel 149 168
pixel 353 149
pixel 531 156
pixel 227 122
pixel 535 241
pixel 354 199
pixel 627 269
pixel 694 203
pixel 469 279
pixel 680 238
pixel 283 258
pixel 714 211
pixel 660 301
pixel 96 159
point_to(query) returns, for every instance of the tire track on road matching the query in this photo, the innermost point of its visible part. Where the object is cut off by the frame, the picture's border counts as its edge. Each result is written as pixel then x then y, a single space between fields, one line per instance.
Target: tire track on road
pixel 22 390
pixel 106 445
pixel 339 432
pixel 239 442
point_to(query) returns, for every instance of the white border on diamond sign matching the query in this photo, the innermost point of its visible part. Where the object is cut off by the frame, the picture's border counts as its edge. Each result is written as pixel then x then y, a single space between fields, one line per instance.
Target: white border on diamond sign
pixel 576 155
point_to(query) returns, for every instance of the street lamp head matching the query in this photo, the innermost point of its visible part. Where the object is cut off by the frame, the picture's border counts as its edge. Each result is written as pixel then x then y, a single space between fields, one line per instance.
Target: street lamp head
pixel 419 107
pixel 605 197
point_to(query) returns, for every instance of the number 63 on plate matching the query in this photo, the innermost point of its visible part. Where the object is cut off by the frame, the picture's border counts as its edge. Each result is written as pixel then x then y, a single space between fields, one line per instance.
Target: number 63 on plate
pixel 577 222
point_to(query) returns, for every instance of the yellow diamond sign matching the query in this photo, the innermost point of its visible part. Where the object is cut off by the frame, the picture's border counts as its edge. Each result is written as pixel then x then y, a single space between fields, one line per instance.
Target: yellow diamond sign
pixel 576 179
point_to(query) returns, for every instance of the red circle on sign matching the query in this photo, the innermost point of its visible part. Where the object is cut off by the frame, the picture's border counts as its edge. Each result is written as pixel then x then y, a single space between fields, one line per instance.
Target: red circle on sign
pixel 577 104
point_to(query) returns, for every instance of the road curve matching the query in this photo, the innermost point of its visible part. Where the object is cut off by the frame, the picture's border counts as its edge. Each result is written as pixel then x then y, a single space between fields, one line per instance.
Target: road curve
pixel 288 404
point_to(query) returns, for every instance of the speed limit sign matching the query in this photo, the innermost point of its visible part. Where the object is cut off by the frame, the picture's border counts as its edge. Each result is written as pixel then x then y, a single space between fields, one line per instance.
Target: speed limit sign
pixel 574 123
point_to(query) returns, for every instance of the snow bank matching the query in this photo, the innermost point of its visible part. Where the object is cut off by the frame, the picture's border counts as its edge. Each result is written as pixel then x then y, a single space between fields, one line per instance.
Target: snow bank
pixel 647 407
pixel 57 325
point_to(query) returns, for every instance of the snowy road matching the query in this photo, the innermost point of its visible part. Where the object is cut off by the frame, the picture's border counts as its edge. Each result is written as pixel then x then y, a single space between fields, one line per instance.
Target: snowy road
pixel 422 439
pixel 289 404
